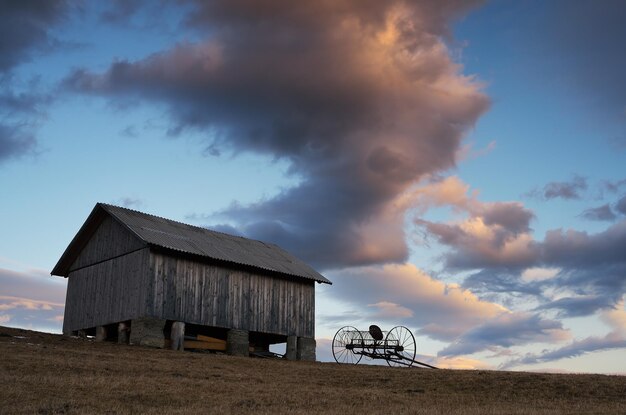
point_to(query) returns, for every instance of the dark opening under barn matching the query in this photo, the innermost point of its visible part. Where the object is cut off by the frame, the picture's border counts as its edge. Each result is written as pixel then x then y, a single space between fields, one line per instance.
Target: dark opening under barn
pixel 147 280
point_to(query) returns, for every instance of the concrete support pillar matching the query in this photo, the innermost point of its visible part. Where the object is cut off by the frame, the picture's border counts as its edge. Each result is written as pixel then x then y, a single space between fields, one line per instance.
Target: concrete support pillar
pixel 291 353
pixel 147 331
pixel 306 349
pixel 122 333
pixel 101 333
pixel 177 336
pixel 237 343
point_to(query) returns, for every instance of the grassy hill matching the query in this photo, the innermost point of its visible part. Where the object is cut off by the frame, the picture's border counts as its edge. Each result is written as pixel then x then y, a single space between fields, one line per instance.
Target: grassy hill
pixel 50 374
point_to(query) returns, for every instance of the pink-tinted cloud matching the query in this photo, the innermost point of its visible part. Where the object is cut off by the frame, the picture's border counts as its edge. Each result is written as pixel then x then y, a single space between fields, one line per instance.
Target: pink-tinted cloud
pixel 496 239
pixel 403 294
pixel 31 299
pixel 361 98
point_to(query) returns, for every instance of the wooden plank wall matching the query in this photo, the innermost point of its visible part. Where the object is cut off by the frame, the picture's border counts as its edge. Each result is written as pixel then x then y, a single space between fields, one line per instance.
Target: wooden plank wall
pixel 211 295
pixel 108 292
pixel 110 240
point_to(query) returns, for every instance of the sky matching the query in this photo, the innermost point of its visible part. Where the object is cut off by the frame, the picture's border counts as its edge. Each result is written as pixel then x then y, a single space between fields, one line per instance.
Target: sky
pixel 456 167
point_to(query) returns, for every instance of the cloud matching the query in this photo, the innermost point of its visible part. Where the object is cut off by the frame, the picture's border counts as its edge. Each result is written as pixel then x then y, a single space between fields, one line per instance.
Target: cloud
pixel 120 11
pixel 576 306
pixel 601 213
pixel 574 349
pixel 613 186
pixel 621 205
pixel 24 28
pixel 388 310
pixel 404 294
pixel 495 243
pixel 616 339
pixel 494 235
pixel 37 285
pixel 458 363
pixel 24 31
pixel 507 330
pixel 128 202
pixel 15 142
pixel 362 99
pixel 570 190
pixel 31 299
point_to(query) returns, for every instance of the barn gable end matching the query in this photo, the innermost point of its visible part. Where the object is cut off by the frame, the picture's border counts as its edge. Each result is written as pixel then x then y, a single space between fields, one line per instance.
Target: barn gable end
pixel 110 240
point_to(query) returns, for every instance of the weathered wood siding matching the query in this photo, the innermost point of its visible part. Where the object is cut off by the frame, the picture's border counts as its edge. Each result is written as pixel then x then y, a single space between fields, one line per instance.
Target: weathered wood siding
pixel 110 240
pixel 211 295
pixel 108 292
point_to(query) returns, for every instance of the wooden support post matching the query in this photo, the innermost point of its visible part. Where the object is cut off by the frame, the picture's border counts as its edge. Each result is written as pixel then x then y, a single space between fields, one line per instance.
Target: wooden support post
pixel 122 333
pixel 292 345
pixel 101 333
pixel 177 336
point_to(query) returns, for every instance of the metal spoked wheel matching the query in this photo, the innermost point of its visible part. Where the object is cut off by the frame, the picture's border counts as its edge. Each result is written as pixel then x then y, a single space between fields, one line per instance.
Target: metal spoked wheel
pixel 343 345
pixel 400 345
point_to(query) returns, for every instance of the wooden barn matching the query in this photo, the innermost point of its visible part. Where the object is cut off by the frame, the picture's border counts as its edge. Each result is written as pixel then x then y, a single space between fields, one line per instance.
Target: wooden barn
pixel 142 279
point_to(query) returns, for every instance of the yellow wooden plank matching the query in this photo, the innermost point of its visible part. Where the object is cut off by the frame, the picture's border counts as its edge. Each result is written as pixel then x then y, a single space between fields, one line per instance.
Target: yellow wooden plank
pixel 196 344
pixel 210 339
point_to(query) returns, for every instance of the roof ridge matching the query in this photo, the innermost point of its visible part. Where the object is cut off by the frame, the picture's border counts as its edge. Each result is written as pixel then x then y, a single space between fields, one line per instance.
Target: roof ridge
pixel 202 228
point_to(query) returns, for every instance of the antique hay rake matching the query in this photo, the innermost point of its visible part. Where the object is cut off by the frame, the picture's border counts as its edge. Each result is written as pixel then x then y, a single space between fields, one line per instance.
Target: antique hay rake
pixel 396 347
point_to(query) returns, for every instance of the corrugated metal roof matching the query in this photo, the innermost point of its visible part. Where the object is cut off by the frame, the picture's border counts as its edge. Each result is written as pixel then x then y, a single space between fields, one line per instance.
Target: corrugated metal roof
pixel 219 246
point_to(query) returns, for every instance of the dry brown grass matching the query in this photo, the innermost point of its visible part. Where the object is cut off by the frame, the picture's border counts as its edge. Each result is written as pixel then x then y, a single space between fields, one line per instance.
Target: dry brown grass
pixel 49 374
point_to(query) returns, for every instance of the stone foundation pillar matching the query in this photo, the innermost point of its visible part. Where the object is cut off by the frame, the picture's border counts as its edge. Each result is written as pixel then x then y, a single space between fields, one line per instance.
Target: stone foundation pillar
pixel 306 349
pixel 291 353
pixel 147 331
pixel 101 333
pixel 177 336
pixel 237 343
pixel 122 333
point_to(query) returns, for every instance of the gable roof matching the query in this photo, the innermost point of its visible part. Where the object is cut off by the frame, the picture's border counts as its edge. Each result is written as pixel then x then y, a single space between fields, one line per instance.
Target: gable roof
pixel 180 238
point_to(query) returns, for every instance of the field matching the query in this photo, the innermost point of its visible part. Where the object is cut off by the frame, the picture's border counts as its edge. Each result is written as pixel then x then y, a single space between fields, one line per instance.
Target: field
pixel 51 374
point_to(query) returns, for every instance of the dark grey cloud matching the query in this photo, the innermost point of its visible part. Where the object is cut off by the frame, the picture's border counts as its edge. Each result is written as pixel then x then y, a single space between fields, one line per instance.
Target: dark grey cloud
pixel 20 114
pixel 491 282
pixel 511 216
pixel 600 213
pixel 505 331
pixel 15 141
pixel 565 190
pixel 121 10
pixel 24 28
pixel 614 186
pixel 578 306
pixel 361 98
pixel 24 31
pixel 620 206
pixel 571 248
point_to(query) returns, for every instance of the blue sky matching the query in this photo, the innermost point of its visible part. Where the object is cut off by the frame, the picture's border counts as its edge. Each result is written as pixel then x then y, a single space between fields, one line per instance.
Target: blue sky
pixel 455 167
